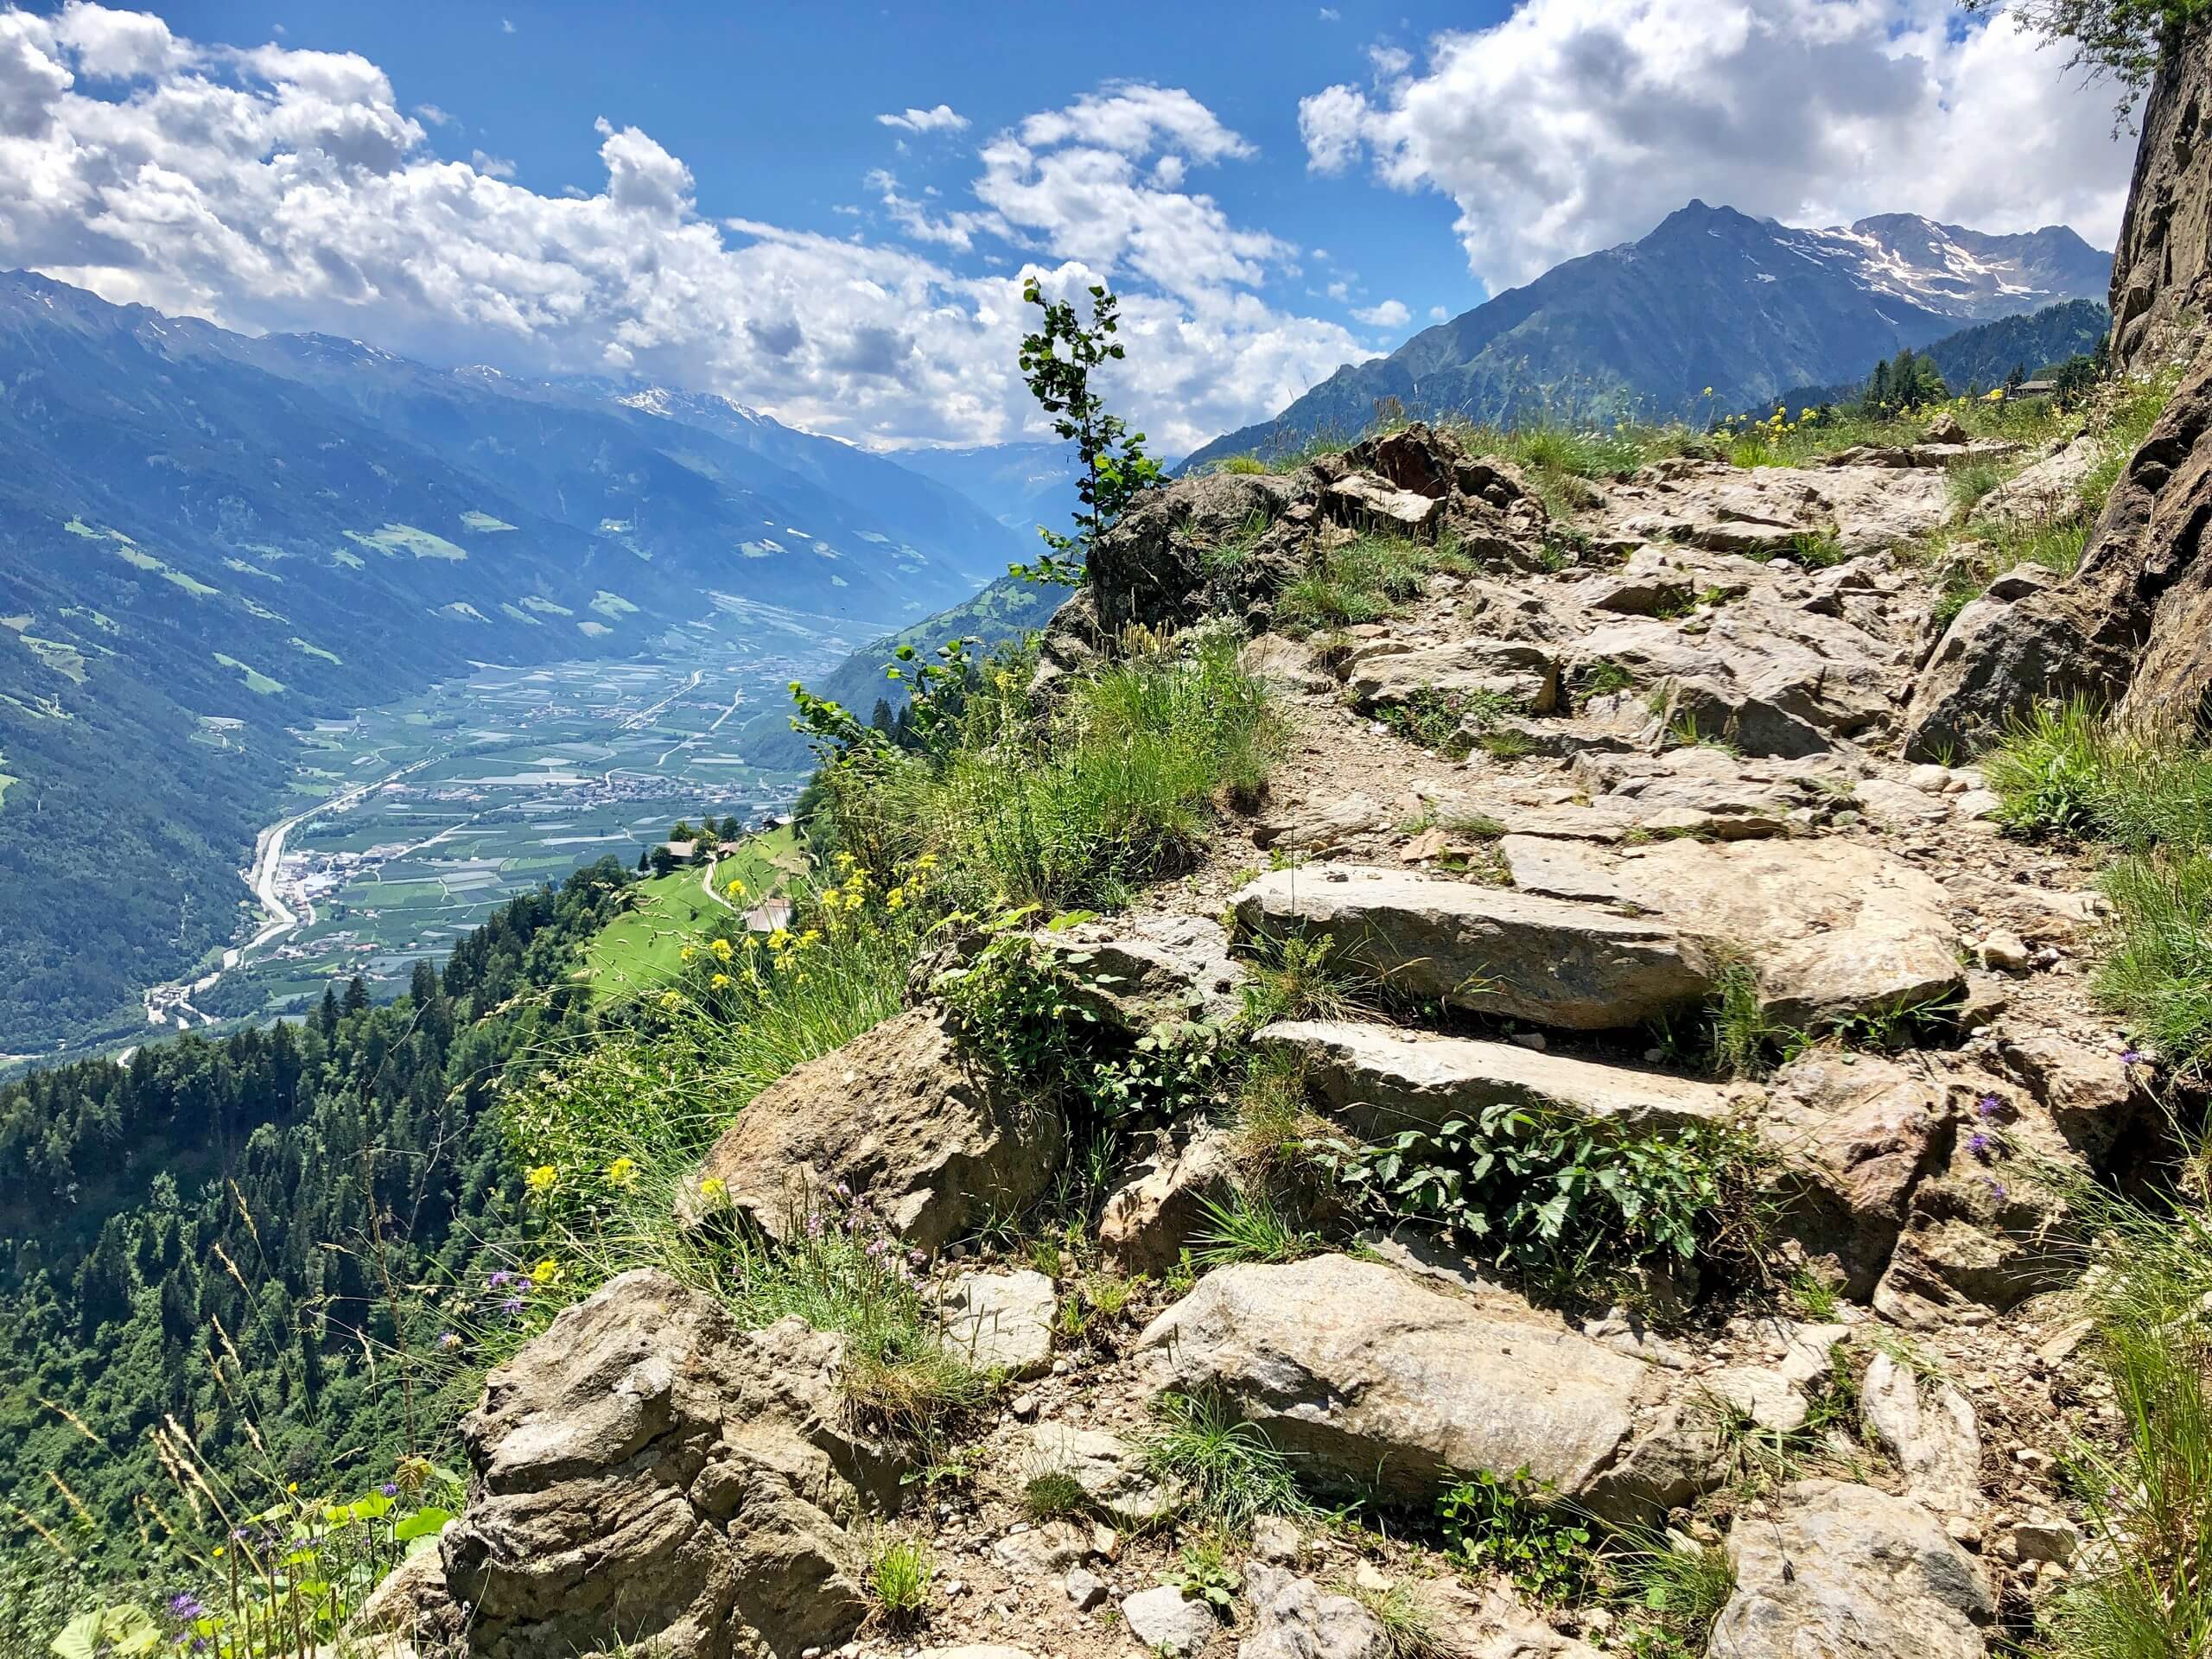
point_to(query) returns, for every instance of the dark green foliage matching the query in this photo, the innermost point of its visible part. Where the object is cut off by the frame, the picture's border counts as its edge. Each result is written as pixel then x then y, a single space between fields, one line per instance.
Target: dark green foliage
pixel 1551 1194
pixel 1501 1523
pixel 264 1205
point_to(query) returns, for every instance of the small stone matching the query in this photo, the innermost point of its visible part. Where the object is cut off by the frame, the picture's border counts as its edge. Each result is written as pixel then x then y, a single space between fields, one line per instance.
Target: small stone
pixel 2005 952
pixel 1274 1538
pixel 1086 1589
pixel 1105 1542
pixel 1963 1530
pixel 1061 1368
pixel 1161 1619
pixel 1930 779
pixel 1528 1039
pixel 2046 1538
pixel 1024 1406
pixel 1368 1576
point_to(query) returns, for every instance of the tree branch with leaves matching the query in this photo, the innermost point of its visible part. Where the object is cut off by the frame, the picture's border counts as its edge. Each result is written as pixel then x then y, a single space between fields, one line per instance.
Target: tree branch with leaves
pixel 1056 362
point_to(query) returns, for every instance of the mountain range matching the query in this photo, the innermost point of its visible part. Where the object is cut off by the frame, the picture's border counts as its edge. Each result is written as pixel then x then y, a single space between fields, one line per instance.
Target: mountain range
pixel 1713 308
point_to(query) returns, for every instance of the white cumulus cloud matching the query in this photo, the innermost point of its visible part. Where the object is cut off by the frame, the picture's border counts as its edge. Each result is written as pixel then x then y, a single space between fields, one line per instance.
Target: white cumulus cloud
pixel 266 188
pixel 1575 124
pixel 942 118
pixel 1391 313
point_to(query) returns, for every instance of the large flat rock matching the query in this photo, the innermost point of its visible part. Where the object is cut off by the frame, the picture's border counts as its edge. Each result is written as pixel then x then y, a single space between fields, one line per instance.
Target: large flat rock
pixel 1483 949
pixel 1835 927
pixel 1372 1378
pixel 1380 1080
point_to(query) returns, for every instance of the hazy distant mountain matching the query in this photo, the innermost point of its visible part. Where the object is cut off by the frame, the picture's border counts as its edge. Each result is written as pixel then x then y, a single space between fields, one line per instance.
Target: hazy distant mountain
pixel 1712 298
pixel 1021 484
pixel 1976 358
pixel 208 541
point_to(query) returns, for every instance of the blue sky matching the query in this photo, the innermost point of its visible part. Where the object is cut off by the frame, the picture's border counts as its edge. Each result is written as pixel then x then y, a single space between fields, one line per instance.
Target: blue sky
pixel 825 211
pixel 774 105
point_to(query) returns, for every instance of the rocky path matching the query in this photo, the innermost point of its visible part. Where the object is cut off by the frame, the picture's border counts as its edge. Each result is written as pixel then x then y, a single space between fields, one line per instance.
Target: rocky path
pixel 1660 771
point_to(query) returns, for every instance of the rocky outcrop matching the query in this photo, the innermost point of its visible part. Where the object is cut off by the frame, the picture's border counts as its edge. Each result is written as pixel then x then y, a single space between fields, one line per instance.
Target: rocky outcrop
pixel 647 1473
pixel 1138 972
pixel 1161 566
pixel 1370 1378
pixel 897 1116
pixel 1000 1321
pixel 1846 1571
pixel 1928 1429
pixel 1147 1221
pixel 1833 928
pixel 1771 511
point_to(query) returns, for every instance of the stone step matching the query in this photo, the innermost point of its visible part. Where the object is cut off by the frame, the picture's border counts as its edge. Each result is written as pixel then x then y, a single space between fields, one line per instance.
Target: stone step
pixel 1370 1378
pixel 1379 1080
pixel 1487 949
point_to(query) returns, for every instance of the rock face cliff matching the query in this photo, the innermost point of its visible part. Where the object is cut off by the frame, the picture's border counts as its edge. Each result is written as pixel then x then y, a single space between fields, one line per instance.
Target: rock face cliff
pixel 2130 627
pixel 2162 270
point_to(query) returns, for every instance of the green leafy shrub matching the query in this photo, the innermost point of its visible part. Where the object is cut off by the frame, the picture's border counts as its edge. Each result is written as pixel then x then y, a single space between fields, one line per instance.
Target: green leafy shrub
pixel 1501 1523
pixel 1202 1574
pixel 1553 1195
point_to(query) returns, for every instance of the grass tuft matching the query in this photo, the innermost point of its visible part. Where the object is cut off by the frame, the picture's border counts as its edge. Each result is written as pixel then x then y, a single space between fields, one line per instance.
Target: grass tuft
pixel 1227 1471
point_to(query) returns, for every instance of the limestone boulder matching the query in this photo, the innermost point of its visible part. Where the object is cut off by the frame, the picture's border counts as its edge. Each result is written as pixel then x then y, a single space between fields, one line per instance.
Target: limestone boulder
pixel 2048 488
pixel 644 1472
pixel 1380 1080
pixel 1512 954
pixel 1147 1221
pixel 1163 1620
pixel 1764 511
pixel 1369 1377
pixel 1846 1571
pixel 1856 1140
pixel 899 1117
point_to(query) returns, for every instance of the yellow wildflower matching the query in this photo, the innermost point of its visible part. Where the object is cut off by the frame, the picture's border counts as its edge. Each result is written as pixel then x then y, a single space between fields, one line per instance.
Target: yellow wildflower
pixel 685 954
pixel 734 887
pixel 547 1272
pixel 895 899
pixel 622 1173
pixel 722 951
pixel 713 1187
pixel 669 999
pixel 719 981
pixel 926 861
pixel 846 861
pixel 541 1180
pixel 811 936
pixel 780 940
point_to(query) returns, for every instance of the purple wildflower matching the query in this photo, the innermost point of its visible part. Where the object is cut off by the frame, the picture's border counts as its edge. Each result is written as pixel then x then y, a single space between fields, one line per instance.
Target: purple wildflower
pixel 390 1489
pixel 449 1340
pixel 1978 1144
pixel 1995 1187
pixel 512 1305
pixel 1988 1106
pixel 500 1280
pixel 2131 1056
pixel 919 1258
pixel 184 1605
